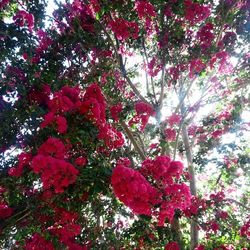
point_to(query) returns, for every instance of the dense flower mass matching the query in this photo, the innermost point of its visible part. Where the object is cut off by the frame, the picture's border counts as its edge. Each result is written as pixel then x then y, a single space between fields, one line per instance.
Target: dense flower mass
pixel 22 17
pixel 170 134
pixel 134 190
pixel 53 147
pixel 195 12
pixel 146 12
pixel 5 210
pixel 129 185
pixel 55 173
pixel 144 9
pixel 37 240
pixel 59 120
pixel 143 112
pixel 115 111
pixel 162 169
pixel 3 3
pixel 93 104
pixel 23 161
pixel 50 163
pixel 172 246
pixel 245 229
pixel 111 137
pixel 124 29
pixel 196 66
pixel 206 36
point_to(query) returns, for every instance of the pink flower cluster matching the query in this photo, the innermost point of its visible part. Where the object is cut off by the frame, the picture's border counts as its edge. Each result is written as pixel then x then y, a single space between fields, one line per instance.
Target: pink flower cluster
pixel 3 4
pixel 197 204
pixel 245 230
pixel 83 13
pixel 144 9
pixel 37 240
pixel 195 12
pixel 23 161
pixel 206 36
pixel 162 169
pixel 174 72
pixel 22 17
pixel 50 163
pixel 5 210
pixel 170 134
pixel 111 137
pixel 172 246
pixel 115 111
pixel 196 66
pixel 143 112
pixel 65 100
pixel 146 12
pixel 44 41
pixel 91 105
pixel 170 131
pixel 124 29
pixel 154 67
pixel 66 229
pixel 165 172
pixel 225 66
pixel 133 189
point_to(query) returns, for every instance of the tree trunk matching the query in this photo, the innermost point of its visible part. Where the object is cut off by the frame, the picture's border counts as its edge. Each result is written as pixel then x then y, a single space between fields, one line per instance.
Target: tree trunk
pixel 194 226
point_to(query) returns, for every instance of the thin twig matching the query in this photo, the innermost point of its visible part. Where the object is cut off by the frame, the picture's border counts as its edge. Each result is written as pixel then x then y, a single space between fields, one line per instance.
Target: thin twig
pixel 129 134
pixel 132 139
pixel 122 68
pixel 147 61
pixel 238 203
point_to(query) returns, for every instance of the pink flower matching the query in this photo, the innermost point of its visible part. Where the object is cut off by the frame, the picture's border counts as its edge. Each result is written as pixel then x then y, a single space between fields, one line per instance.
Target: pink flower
pixel 37 240
pixel 143 112
pixel 61 124
pixel 133 190
pixel 172 246
pixel 144 9
pixel 3 4
pixel 195 13
pixel 23 17
pixel 55 173
pixel 205 36
pixel 23 161
pixel 5 210
pixel 217 133
pixel 245 229
pixel 81 161
pixel 154 67
pixel 53 147
pixel 112 138
pixel 146 12
pixel 170 134
pixel 124 29
pixel 214 226
pixel 115 111
pixel 196 66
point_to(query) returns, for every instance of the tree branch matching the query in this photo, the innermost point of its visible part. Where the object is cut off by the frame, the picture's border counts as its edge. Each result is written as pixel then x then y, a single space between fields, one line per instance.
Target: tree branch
pixel 129 134
pixel 194 233
pixel 121 65
pixel 132 139
pixel 238 203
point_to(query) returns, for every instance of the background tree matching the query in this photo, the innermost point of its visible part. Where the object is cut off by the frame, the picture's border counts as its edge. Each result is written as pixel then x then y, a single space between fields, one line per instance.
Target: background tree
pixel 124 124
